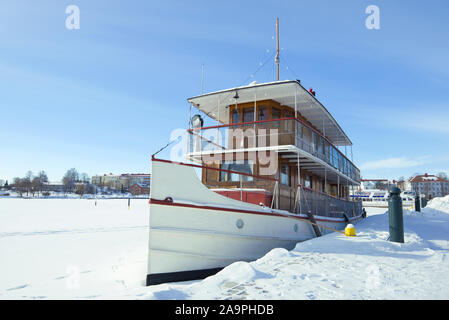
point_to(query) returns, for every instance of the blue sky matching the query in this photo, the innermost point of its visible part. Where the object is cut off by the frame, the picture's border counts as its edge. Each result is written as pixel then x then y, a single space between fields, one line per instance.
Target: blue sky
pixel 105 97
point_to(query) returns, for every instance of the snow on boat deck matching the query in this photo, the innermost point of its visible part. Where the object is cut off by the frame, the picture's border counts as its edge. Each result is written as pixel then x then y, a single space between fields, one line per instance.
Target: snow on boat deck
pixel 72 249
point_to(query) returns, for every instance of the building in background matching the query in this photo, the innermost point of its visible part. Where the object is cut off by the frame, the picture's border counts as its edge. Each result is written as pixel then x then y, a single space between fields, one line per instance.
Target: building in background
pixel 2 182
pixel 404 185
pixel 372 184
pixel 429 185
pixel 139 189
pixel 56 186
pixel 121 182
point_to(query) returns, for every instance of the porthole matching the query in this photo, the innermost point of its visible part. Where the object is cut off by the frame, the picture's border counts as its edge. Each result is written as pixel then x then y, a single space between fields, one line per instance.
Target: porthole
pixel 239 223
pixel 295 227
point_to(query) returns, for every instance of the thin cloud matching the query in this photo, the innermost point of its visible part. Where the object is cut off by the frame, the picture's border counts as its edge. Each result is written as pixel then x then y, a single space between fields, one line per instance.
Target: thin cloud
pixel 392 163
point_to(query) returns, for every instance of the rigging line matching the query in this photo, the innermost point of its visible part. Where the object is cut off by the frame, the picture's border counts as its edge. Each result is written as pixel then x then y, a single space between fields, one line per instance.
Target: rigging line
pixel 221 99
pixel 174 140
pixel 258 69
pixel 289 68
pixel 268 68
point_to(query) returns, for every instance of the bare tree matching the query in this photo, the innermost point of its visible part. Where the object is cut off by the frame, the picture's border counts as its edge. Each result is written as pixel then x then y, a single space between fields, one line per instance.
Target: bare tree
pixel 35 186
pixel 84 177
pixel 19 186
pixel 80 189
pixel 27 181
pixel 42 179
pixel 90 189
pixel 380 185
pixel 442 175
pixel 69 179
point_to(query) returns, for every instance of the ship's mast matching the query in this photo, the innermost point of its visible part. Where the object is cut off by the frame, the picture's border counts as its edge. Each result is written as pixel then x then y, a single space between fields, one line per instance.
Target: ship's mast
pixel 277 50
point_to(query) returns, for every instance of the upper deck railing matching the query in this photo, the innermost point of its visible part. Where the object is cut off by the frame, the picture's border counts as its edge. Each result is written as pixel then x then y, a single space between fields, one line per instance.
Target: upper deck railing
pixel 270 133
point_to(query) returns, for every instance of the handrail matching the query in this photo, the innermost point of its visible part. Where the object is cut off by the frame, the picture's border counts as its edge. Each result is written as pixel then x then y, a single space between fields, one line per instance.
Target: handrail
pixel 207 140
pixel 281 119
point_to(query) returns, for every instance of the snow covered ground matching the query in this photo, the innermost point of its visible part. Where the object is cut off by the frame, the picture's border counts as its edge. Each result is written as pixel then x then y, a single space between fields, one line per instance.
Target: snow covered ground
pixel 72 249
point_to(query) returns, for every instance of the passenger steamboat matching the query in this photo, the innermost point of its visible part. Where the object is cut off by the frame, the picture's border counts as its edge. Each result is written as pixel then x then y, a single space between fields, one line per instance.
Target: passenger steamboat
pixel 272 173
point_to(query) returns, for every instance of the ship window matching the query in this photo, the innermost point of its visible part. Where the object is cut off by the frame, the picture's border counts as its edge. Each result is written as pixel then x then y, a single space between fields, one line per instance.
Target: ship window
pixel 307 136
pixel 248 115
pixel 285 175
pixel 262 113
pixel 320 145
pixel 313 142
pixel 235 116
pixel 289 124
pixel 245 167
pixel 275 113
pixel 308 181
pixel 289 114
pixel 299 129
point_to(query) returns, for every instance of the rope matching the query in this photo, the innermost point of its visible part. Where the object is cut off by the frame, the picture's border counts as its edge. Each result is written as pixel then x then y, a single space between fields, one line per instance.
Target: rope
pixel 258 69
pixel 288 66
pixel 174 140
pixel 323 226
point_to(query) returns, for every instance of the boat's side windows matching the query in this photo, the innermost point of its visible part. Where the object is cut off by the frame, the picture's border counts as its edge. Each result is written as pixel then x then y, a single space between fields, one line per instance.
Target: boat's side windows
pixel 248 115
pixel 246 167
pixel 289 124
pixel 308 181
pixel 235 116
pixel 275 113
pixel 262 113
pixel 285 173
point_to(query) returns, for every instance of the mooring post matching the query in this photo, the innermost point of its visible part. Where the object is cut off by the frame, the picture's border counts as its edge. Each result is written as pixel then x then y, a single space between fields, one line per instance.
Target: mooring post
pixel 423 202
pixel 396 215
pixel 418 203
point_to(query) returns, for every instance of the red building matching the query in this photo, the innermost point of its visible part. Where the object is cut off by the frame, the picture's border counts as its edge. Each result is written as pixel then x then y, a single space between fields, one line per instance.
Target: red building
pixel 138 189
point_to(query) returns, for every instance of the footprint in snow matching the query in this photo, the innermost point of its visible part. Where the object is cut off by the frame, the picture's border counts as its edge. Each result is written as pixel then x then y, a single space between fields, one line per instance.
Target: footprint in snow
pixel 18 287
pixel 310 295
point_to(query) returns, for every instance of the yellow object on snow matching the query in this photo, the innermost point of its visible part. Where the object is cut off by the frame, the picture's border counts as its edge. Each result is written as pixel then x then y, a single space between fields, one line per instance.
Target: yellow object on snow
pixel 350 230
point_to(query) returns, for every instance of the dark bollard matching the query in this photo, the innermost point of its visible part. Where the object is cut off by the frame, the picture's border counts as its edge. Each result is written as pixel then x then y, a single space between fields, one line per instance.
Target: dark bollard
pixel 396 215
pixel 418 203
pixel 423 202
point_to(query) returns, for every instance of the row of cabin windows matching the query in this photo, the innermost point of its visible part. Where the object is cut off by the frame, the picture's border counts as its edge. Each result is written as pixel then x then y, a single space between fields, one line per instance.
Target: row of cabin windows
pixel 262 114
pixel 286 177
pixel 247 166
pixel 318 144
pixel 315 141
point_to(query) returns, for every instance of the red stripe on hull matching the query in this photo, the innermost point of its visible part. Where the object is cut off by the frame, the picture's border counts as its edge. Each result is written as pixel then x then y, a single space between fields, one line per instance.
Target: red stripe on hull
pixel 186 205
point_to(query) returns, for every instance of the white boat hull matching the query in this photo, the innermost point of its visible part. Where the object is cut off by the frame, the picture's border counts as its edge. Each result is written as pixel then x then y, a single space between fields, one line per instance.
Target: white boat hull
pixel 384 204
pixel 191 239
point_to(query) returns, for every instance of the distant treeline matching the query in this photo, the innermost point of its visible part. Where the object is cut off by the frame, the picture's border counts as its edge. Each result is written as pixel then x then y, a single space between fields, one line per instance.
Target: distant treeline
pixel 72 182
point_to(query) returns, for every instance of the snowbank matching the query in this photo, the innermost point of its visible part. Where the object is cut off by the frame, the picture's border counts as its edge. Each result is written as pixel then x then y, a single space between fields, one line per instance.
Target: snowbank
pixel 441 204
pixel 338 267
pixel 72 249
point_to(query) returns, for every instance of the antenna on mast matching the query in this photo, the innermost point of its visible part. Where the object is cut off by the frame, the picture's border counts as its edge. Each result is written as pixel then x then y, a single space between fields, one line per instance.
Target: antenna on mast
pixel 277 50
